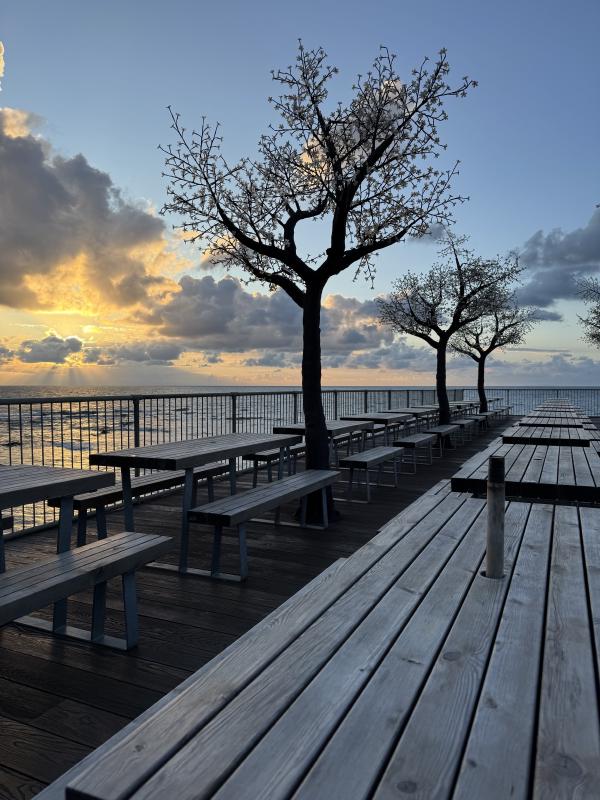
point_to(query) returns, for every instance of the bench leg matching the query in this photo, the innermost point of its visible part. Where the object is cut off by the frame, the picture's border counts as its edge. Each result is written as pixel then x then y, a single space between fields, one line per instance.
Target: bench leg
pixel 243 551
pixel 282 451
pixel 82 518
pixel 130 608
pixel 98 611
pixel 215 565
pixel 324 507
pixel 101 522
pixel 255 474
pixel 269 472
pixel 303 509
pixel 368 484
pixel 210 488
pixel 350 478
pixel 395 462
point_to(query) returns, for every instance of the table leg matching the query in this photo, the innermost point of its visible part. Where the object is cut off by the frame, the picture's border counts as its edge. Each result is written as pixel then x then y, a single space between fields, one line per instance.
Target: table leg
pixel 232 481
pixel 2 558
pixel 188 494
pixel 281 460
pixel 63 543
pixel 127 498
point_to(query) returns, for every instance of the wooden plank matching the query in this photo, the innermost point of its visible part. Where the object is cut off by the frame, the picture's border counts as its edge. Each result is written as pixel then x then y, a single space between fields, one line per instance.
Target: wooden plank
pixel 358 751
pixel 193 452
pixel 294 652
pixel 567 762
pixel 441 576
pixel 427 755
pixel 20 485
pixel 497 759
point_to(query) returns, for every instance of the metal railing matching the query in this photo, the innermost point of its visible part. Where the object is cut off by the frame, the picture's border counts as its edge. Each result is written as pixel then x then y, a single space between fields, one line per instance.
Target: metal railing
pixel 63 431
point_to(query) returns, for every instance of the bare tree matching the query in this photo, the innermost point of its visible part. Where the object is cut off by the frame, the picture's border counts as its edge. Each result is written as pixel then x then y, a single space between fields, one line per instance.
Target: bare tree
pixel 364 169
pixel 456 292
pixel 503 327
pixel 589 291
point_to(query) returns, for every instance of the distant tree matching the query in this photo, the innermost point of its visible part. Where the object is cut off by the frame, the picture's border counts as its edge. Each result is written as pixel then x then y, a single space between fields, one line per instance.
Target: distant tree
pixel 457 291
pixel 364 169
pixel 503 327
pixel 589 291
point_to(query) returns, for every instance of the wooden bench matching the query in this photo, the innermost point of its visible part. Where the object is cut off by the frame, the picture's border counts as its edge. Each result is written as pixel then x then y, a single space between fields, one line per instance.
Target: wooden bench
pixel 375 457
pixel 417 441
pixel 443 432
pixel 270 457
pixel 144 484
pixel 30 588
pixel 236 510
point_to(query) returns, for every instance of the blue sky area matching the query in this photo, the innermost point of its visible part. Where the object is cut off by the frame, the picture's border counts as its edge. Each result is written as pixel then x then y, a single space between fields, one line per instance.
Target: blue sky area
pixel 100 75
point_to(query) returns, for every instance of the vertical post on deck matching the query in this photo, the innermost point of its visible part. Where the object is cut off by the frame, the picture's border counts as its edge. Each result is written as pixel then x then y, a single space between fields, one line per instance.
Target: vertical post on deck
pixel 335 404
pixel 366 400
pixel 136 426
pixel 494 567
pixel 295 407
pixel 389 399
pixel 233 396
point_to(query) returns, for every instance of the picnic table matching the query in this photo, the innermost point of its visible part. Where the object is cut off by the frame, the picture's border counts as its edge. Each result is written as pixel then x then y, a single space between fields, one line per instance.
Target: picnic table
pixel 21 484
pixel 388 419
pixel 335 427
pixel 551 435
pixel 548 472
pixel 185 455
pixel 401 671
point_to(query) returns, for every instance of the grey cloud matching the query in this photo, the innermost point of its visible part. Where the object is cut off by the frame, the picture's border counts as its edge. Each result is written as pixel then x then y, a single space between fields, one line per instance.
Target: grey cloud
pixel 52 349
pixel 155 354
pixel 222 316
pixel 555 261
pixel 54 209
pixel 546 315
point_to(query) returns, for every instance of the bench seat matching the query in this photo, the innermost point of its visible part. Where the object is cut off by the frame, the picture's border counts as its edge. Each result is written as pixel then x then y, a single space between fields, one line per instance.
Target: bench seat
pixel 418 441
pixel 143 484
pixel 32 587
pixel 368 459
pixel 238 509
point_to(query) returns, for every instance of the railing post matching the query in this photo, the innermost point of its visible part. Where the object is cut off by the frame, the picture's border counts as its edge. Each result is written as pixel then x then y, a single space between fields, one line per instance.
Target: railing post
pixel 295 407
pixel 494 567
pixel 335 404
pixel 233 397
pixel 366 400
pixel 389 399
pixel 136 427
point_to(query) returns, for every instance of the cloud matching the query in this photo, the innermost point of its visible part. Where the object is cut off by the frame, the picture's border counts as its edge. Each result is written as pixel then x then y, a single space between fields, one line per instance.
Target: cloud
pixel 67 230
pixel 51 349
pixel 162 353
pixel 222 316
pixel 1 62
pixel 556 260
pixel 546 315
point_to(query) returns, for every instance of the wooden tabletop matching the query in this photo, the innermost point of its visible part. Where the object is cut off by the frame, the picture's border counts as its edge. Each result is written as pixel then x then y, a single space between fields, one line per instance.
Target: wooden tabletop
pixel 335 427
pixel 555 435
pixel 405 672
pixel 382 417
pixel 21 484
pixel 193 452
pixel 536 472
pixel 562 421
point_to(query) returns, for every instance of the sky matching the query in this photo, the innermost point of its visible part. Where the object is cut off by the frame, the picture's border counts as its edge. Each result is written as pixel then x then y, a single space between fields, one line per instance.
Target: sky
pixel 97 288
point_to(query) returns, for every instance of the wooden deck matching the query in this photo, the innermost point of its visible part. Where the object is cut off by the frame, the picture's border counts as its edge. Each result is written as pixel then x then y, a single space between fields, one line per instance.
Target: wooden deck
pixel 59 700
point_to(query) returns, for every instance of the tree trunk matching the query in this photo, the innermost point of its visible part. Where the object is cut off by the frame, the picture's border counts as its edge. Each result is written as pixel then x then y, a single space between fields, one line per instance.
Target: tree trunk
pixel 317 445
pixel 440 383
pixel 483 405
